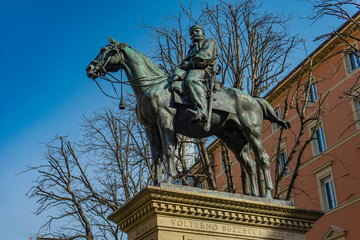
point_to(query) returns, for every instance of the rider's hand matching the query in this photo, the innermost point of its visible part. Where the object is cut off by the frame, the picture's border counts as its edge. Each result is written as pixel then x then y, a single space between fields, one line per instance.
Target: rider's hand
pixel 186 65
pixel 176 86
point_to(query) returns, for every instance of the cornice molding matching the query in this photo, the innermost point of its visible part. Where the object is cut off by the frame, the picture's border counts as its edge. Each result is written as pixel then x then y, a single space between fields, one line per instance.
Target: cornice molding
pixel 166 201
pixel 318 55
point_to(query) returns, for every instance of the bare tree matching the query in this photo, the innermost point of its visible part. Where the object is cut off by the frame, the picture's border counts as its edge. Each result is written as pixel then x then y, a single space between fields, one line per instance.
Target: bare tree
pixel 60 185
pixel 228 168
pixel 254 44
pixel 298 99
pixel 119 142
pixel 85 182
pixel 342 10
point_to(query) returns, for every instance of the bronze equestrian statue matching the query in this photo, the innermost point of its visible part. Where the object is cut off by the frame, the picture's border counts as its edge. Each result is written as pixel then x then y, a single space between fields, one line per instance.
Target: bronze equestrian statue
pixel 236 118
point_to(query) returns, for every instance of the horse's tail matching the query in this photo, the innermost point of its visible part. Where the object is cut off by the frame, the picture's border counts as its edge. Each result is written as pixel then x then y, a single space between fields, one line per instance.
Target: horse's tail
pixel 269 113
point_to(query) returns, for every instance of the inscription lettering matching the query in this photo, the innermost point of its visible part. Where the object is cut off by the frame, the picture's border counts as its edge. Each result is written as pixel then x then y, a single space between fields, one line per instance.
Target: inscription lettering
pixel 249 231
pixel 194 224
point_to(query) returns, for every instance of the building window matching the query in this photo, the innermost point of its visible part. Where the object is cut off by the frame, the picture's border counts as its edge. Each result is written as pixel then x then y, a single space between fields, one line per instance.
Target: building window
pixel 319 143
pixel 190 181
pixel 356 110
pixel 326 186
pixel 312 93
pixel 311 90
pixel 320 140
pixel 354 61
pixel 283 161
pixel 276 126
pixel 222 165
pixel 212 160
pixel 329 193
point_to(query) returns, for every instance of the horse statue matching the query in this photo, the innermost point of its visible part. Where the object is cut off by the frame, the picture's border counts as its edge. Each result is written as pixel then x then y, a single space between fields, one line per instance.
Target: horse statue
pixel 162 117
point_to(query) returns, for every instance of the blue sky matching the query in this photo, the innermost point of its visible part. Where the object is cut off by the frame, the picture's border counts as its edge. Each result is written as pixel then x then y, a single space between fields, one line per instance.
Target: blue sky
pixel 44 49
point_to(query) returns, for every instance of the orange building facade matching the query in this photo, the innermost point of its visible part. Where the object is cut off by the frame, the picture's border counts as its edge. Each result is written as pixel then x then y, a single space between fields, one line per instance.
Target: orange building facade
pixel 329 171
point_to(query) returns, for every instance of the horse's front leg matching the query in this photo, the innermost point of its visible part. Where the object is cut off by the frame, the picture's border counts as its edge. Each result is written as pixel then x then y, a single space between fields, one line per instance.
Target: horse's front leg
pixel 153 136
pixel 168 139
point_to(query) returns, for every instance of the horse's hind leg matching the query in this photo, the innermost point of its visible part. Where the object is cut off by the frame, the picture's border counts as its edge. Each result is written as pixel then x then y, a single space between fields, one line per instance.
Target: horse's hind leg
pixel 239 146
pixel 263 161
pixel 250 167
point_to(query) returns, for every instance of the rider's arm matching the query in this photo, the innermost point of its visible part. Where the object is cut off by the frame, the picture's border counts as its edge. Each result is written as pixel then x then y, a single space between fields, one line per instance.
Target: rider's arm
pixel 207 54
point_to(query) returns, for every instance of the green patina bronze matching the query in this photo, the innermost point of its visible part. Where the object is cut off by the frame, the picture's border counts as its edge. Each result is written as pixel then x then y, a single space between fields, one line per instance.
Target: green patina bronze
pixel 195 69
pixel 237 118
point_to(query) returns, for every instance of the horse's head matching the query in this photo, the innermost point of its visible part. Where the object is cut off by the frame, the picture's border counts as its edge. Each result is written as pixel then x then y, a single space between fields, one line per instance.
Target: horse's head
pixel 110 59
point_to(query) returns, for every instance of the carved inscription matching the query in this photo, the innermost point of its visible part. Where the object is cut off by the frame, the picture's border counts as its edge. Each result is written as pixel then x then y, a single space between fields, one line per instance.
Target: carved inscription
pixel 258 232
pixel 194 224
pixel 240 230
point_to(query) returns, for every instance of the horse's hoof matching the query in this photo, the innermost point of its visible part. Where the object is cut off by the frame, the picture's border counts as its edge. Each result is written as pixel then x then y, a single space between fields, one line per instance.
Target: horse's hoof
pixel 156 184
pixel 268 195
pixel 169 180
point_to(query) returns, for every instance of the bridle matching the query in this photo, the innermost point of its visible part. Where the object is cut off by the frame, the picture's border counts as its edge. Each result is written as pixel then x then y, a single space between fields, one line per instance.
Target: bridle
pixel 103 62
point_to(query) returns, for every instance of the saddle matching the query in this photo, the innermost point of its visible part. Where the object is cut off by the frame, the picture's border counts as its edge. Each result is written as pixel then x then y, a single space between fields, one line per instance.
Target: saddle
pixel 182 97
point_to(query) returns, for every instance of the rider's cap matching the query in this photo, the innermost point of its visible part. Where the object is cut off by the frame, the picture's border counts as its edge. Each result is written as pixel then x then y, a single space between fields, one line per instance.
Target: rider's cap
pixel 196 26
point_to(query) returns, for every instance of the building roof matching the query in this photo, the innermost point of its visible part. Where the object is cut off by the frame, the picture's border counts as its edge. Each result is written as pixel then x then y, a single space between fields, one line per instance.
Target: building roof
pixel 318 55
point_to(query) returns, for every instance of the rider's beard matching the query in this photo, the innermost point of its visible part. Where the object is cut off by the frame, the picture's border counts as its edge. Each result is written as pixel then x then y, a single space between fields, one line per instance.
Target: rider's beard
pixel 197 38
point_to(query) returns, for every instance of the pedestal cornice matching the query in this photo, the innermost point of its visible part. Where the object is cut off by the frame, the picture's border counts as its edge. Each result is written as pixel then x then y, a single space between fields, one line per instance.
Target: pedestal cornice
pixel 191 203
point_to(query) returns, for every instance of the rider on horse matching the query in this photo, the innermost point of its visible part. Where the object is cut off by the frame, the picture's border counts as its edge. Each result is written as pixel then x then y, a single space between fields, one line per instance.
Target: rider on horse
pixel 196 69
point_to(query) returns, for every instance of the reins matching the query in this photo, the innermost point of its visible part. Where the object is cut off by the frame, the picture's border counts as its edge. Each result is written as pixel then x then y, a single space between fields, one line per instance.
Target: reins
pixel 119 47
pixel 129 83
pixel 154 80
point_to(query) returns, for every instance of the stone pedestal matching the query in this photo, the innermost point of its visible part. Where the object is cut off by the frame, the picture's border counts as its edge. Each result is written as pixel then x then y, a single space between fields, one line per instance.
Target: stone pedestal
pixel 172 212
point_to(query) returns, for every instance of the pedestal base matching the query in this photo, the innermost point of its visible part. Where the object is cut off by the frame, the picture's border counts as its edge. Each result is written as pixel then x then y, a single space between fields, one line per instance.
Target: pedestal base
pixel 172 212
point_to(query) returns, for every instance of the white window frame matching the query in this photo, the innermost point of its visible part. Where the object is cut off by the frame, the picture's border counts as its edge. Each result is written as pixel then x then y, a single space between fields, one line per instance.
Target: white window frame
pixel 324 175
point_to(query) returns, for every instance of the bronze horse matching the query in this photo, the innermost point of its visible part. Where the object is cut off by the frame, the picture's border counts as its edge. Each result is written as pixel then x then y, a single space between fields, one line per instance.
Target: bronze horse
pixel 163 118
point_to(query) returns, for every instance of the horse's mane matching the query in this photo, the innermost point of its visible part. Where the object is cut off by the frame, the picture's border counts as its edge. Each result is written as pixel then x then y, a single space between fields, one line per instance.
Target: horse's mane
pixel 155 69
